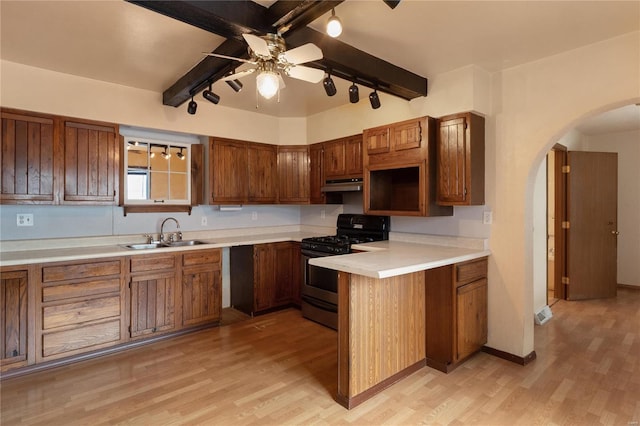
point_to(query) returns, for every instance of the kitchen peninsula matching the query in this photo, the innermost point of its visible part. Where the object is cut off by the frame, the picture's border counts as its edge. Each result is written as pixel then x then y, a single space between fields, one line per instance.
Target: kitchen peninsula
pixel 402 306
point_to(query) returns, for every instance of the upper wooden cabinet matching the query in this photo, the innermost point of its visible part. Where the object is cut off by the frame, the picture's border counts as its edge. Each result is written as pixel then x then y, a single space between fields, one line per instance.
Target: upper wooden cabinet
pixel 228 171
pixel 262 160
pixel 343 158
pixel 316 173
pixel 460 160
pixel 399 170
pixel 293 174
pixel 29 158
pixel 91 162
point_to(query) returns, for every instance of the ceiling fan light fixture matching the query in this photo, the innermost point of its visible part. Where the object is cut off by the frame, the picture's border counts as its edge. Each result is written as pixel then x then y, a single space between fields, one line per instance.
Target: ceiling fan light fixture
pixel 334 25
pixel 329 86
pixel 192 107
pixel 354 95
pixel 374 99
pixel 268 83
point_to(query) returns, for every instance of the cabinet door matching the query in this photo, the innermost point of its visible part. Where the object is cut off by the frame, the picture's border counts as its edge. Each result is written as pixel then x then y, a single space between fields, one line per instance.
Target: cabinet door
pixel 228 171
pixel 28 156
pixel 376 140
pixel 91 162
pixel 353 151
pixel 264 278
pixel 152 303
pixel 316 174
pixel 334 159
pixel 471 333
pixel 452 161
pixel 201 297
pixel 13 325
pixel 263 173
pixel 406 135
pixel 293 174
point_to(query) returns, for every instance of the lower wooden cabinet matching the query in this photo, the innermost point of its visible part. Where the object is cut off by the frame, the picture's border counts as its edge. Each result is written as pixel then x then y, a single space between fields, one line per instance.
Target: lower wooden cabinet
pixel 456 313
pixel 80 307
pixel 13 319
pixel 201 287
pixel 265 276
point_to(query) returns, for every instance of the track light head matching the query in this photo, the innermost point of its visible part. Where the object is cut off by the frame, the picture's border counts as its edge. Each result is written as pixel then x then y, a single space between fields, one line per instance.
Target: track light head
pixel 236 85
pixel 192 107
pixel 329 86
pixel 180 155
pixel 354 95
pixel 210 96
pixel 374 99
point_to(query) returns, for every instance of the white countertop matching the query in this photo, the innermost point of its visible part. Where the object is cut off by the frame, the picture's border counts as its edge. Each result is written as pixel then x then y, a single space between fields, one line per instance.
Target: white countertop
pixel 385 259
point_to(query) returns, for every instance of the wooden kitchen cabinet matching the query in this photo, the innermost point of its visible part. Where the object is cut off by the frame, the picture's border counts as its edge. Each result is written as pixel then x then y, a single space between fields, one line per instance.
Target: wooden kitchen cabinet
pixel 343 158
pixel 265 276
pixel 262 173
pixel 152 289
pixel 201 287
pixel 14 301
pixel 91 162
pixel 29 157
pixel 228 171
pixel 80 307
pixel 456 313
pixel 400 170
pixel 293 174
pixel 316 174
pixel 460 155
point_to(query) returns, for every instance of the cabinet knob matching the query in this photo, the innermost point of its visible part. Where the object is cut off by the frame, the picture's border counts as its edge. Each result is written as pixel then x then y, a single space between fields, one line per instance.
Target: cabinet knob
pixel 615 232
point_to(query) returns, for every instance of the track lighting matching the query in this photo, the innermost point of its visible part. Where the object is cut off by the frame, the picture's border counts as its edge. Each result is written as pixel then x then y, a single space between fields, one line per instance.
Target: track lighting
pixel 329 86
pixel 192 107
pixel 374 99
pixel 210 96
pixel 180 155
pixel 236 85
pixel 165 154
pixel 354 96
pixel 334 25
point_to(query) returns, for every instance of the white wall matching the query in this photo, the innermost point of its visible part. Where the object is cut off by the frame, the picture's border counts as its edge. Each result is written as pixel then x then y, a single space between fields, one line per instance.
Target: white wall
pixel 540 238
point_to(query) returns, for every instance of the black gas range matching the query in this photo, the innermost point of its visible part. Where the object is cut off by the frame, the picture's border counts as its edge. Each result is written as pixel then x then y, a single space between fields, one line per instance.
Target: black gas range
pixel 320 285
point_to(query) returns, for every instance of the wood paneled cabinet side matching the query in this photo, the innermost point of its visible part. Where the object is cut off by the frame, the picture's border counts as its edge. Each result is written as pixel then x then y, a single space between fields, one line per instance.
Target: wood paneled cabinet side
pixel 456 313
pixel 316 173
pixel 14 319
pixel 30 157
pixel 287 274
pixel 264 280
pixel 460 153
pixel 153 294
pixel 201 287
pixel 293 174
pixel 91 162
pixel 228 175
pixel 262 173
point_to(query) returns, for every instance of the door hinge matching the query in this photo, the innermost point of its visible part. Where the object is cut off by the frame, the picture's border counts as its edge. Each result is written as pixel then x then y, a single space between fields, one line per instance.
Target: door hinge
pixel 565 280
pixel 566 169
pixel 566 224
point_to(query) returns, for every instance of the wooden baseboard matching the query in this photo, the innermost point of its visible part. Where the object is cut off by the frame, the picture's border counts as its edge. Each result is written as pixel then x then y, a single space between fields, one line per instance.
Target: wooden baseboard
pixel 629 287
pixel 510 357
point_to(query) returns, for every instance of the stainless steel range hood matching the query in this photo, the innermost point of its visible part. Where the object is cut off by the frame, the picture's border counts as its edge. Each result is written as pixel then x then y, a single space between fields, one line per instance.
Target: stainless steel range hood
pixel 343 185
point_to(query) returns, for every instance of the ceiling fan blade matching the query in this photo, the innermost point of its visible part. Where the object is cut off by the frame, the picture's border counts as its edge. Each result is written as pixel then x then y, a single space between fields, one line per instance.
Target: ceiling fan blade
pixel 305 53
pixel 229 57
pixel 258 45
pixel 238 75
pixel 300 72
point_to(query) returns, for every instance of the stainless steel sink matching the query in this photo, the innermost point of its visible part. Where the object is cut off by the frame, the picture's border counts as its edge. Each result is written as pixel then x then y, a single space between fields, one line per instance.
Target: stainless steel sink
pixel 184 243
pixel 144 246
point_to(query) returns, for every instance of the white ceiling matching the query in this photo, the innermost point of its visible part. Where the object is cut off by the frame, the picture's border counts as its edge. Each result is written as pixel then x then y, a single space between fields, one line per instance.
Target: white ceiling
pixel 125 44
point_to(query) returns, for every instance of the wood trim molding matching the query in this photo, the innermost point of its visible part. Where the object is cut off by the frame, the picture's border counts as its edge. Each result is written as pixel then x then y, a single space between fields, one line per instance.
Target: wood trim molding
pixel 510 357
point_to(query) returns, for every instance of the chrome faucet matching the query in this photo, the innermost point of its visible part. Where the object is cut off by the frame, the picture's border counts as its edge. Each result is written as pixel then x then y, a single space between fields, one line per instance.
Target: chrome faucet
pixel 179 234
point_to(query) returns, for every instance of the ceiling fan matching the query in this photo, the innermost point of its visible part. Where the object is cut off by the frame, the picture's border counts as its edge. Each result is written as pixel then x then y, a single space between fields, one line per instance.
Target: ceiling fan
pixel 271 59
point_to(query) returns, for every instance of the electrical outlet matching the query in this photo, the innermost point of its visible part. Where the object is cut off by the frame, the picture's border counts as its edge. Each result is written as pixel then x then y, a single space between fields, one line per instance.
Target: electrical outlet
pixel 203 221
pixel 487 218
pixel 24 219
pixel 254 215
pixel 323 214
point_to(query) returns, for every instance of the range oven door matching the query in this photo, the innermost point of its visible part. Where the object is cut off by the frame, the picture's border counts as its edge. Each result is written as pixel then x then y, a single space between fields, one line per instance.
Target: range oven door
pixel 319 291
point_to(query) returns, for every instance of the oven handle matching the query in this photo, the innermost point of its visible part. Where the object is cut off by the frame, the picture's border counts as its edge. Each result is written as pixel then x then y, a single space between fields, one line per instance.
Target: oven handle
pixel 312 254
pixel 320 304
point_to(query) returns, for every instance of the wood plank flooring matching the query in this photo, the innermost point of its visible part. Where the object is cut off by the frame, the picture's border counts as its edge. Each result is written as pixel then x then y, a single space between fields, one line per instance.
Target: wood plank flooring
pixel 280 369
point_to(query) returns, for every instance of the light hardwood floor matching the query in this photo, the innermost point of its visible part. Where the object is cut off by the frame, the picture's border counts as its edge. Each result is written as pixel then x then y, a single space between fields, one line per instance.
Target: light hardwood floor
pixel 280 369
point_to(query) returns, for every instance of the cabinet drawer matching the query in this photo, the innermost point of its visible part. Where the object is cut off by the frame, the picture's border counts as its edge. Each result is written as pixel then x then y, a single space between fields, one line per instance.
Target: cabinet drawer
pixel 208 257
pixel 153 263
pixel 79 312
pixel 471 271
pixel 80 338
pixel 83 270
pixel 51 292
